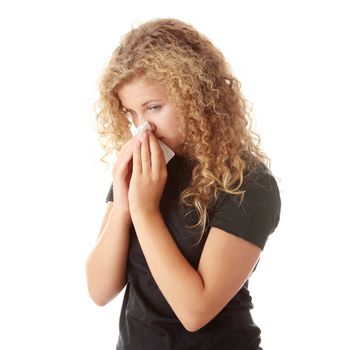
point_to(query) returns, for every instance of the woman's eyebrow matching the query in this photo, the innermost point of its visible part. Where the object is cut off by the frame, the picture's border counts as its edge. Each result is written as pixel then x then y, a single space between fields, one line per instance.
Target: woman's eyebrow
pixel 143 104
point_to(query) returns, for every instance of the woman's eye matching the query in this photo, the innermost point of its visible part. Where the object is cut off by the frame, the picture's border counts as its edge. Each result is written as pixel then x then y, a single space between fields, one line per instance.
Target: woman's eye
pixel 155 108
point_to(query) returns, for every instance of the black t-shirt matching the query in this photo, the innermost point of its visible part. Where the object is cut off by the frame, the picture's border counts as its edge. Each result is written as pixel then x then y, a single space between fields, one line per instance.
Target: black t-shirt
pixel 147 321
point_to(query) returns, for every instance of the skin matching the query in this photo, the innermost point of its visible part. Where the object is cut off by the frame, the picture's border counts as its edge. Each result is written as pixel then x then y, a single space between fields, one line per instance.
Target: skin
pixel 196 296
pixel 143 101
pixel 158 110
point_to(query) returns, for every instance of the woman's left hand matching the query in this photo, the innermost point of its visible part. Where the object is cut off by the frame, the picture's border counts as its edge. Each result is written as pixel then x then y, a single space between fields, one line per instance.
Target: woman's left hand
pixel 149 175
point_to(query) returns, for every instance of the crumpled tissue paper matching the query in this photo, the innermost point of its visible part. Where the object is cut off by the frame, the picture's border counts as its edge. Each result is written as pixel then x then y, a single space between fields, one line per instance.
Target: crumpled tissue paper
pixel 168 152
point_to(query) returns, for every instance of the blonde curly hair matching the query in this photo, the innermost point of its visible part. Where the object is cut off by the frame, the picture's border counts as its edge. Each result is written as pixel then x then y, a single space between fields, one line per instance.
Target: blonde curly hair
pixel 213 115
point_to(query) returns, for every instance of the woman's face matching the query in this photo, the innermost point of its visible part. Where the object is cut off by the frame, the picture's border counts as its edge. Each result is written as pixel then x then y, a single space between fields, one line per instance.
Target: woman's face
pixel 146 100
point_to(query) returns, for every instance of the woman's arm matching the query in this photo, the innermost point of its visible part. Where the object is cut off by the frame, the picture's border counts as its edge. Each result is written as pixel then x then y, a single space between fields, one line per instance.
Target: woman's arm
pixel 226 262
pixel 106 264
pixel 196 296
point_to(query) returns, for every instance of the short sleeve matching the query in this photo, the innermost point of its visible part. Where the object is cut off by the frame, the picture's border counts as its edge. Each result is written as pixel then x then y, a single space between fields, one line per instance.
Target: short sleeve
pixel 110 194
pixel 256 217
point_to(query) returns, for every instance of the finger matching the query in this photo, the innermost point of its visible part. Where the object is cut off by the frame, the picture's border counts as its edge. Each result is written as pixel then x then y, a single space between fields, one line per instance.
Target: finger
pixel 145 154
pixel 130 142
pixel 136 159
pixel 122 166
pixel 125 151
pixel 127 156
pixel 157 155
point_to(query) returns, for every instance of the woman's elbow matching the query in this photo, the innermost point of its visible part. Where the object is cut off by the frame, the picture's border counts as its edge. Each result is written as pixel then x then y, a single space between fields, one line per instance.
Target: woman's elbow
pixel 98 299
pixel 101 296
pixel 193 326
pixel 195 319
pixel 100 302
pixel 194 323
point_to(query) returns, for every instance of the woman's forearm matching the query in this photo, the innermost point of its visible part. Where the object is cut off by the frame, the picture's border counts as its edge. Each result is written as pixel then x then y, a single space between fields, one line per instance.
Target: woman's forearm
pixel 106 264
pixel 179 282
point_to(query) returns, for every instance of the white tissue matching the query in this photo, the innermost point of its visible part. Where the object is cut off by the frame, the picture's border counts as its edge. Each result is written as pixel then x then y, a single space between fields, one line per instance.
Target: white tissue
pixel 168 152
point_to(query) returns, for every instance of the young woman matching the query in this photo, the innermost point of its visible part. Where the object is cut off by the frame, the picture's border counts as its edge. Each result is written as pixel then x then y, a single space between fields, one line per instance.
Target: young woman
pixel 182 236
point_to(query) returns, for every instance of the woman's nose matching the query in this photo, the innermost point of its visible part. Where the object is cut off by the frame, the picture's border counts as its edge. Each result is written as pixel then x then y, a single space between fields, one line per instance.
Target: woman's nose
pixel 153 127
pixel 141 121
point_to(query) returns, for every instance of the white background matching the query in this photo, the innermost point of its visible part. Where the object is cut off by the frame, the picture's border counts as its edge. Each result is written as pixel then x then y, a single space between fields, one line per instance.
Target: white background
pixel 293 61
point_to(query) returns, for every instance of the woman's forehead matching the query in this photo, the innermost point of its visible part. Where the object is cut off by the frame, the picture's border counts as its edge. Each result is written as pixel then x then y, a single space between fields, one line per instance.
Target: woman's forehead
pixel 141 89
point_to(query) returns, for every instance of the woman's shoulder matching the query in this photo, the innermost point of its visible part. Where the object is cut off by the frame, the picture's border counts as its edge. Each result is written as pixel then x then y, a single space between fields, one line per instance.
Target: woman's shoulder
pixel 258 176
pixel 259 187
pixel 255 215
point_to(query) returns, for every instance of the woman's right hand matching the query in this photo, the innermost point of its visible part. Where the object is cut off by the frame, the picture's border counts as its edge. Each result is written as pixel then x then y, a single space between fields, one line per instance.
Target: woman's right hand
pixel 122 171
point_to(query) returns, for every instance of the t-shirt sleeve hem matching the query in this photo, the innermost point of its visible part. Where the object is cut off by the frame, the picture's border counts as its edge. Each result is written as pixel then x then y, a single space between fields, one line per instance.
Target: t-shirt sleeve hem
pixel 240 233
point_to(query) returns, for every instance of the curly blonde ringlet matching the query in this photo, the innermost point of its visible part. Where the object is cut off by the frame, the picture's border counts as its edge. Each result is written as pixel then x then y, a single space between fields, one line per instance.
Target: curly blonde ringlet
pixel 213 115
